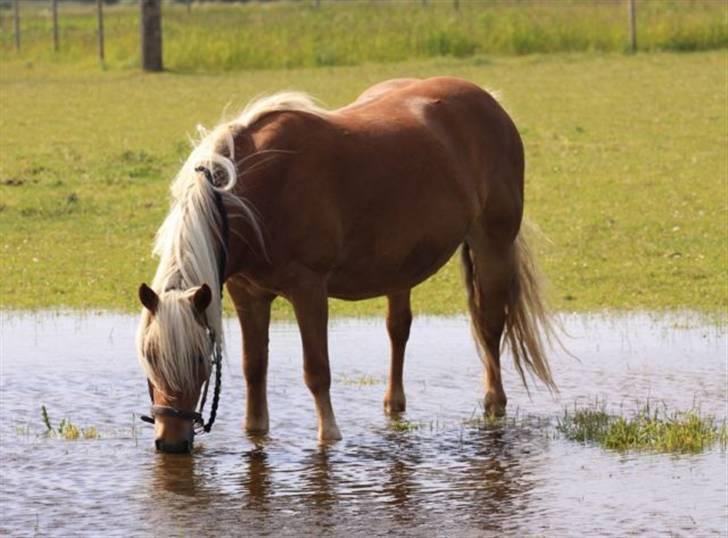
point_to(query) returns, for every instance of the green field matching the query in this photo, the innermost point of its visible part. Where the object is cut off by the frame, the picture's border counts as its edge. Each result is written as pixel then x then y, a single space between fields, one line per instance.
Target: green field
pixel 214 37
pixel 626 173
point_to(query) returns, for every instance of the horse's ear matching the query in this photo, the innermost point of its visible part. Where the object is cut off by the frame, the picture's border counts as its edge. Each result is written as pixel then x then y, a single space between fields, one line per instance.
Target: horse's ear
pixel 149 298
pixel 201 299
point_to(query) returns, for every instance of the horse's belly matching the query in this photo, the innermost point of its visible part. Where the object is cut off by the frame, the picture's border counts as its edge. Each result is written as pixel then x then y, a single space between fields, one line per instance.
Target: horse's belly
pixel 368 277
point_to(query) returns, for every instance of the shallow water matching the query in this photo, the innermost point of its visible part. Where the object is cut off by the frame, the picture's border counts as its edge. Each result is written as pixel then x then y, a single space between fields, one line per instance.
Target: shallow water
pixel 445 477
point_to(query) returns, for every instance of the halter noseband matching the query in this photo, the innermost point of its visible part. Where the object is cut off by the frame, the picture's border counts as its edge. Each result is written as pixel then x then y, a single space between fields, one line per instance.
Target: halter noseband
pixel 196 416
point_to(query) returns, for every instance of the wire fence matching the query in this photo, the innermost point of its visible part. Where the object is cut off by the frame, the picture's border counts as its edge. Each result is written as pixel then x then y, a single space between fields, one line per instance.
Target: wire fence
pixel 330 32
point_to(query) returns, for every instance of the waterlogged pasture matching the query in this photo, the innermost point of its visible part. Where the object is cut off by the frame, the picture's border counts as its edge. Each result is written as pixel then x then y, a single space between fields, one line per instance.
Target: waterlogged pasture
pixel 438 469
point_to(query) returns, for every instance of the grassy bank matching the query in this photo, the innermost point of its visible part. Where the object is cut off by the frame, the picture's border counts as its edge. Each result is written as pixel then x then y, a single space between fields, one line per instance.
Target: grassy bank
pixel 215 37
pixel 626 174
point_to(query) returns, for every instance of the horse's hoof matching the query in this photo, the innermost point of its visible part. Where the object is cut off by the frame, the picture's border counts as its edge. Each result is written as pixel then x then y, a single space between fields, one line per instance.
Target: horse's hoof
pixel 329 435
pixel 495 405
pixel 394 405
pixel 256 427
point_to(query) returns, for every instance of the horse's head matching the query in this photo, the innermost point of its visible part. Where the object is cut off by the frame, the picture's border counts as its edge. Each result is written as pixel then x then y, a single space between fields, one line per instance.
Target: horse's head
pixel 174 347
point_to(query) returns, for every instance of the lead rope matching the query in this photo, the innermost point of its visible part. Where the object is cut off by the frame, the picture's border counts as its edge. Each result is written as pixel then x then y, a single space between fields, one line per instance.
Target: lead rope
pixel 216 391
pixel 217 348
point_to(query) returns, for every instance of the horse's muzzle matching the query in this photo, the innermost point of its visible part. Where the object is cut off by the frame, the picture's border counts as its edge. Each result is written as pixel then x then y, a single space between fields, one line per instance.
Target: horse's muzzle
pixel 180 447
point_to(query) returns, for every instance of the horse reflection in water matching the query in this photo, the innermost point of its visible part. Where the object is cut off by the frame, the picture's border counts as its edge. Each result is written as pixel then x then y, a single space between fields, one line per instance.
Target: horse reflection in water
pixel 483 480
pixel 497 478
pixel 178 476
pixel 291 200
pixel 257 479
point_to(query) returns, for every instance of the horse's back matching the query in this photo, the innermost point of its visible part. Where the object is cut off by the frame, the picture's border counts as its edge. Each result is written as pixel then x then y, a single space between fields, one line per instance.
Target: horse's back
pixel 457 131
pixel 463 117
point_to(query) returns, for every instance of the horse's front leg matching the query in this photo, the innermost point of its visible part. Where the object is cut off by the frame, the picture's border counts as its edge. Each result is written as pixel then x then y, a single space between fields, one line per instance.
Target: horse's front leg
pixel 254 315
pixel 310 303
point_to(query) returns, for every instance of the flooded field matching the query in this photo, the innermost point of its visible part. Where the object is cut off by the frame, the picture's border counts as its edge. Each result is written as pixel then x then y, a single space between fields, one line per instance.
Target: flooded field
pixel 435 472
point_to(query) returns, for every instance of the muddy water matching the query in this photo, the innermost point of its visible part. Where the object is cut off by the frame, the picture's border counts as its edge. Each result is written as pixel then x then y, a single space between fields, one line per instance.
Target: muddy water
pixel 443 477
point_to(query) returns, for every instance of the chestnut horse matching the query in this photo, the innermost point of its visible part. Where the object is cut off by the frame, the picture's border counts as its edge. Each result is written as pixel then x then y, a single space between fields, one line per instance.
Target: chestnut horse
pixel 293 200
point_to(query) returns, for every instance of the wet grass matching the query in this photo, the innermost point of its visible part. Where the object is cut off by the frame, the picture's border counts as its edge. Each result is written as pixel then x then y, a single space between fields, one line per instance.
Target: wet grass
pixel 404 426
pixel 215 37
pixel 66 429
pixel 650 428
pixel 628 182
pixel 359 380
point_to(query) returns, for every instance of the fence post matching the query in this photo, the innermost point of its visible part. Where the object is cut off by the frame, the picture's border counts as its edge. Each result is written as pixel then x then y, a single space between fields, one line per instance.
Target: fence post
pixel 151 29
pixel 16 23
pixel 632 25
pixel 54 10
pixel 100 25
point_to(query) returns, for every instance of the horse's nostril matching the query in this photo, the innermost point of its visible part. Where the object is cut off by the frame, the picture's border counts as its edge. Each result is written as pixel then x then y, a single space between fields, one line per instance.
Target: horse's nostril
pixel 159 444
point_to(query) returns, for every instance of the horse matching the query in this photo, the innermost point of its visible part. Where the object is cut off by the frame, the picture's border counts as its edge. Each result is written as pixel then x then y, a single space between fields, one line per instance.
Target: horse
pixel 290 199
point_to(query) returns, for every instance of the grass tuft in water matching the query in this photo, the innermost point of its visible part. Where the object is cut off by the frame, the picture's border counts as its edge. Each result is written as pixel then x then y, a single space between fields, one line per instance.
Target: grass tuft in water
pixel 359 380
pixel 46 420
pixel 648 429
pixel 406 425
pixel 66 429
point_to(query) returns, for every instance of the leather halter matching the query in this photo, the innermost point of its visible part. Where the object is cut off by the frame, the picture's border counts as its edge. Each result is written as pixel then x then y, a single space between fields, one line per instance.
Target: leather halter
pixel 193 416
pixel 216 359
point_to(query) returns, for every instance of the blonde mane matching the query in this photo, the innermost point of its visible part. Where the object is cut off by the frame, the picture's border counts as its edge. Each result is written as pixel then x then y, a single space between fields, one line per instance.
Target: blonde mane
pixel 189 244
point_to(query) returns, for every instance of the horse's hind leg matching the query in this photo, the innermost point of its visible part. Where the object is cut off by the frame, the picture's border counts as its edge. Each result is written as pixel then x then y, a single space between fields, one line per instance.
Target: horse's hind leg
pixel 254 315
pixel 489 271
pixel 399 320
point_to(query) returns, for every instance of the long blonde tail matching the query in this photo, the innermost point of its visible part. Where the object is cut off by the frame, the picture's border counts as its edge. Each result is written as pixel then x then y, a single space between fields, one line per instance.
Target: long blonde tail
pixel 528 324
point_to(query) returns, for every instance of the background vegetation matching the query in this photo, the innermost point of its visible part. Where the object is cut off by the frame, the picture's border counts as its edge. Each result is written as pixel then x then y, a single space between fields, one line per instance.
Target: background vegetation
pixel 215 37
pixel 626 173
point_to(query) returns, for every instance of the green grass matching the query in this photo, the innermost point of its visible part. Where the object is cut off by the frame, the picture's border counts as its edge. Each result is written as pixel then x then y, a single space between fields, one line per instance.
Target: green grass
pixel 406 426
pixel 648 429
pixel 66 429
pixel 359 380
pixel 626 174
pixel 217 37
